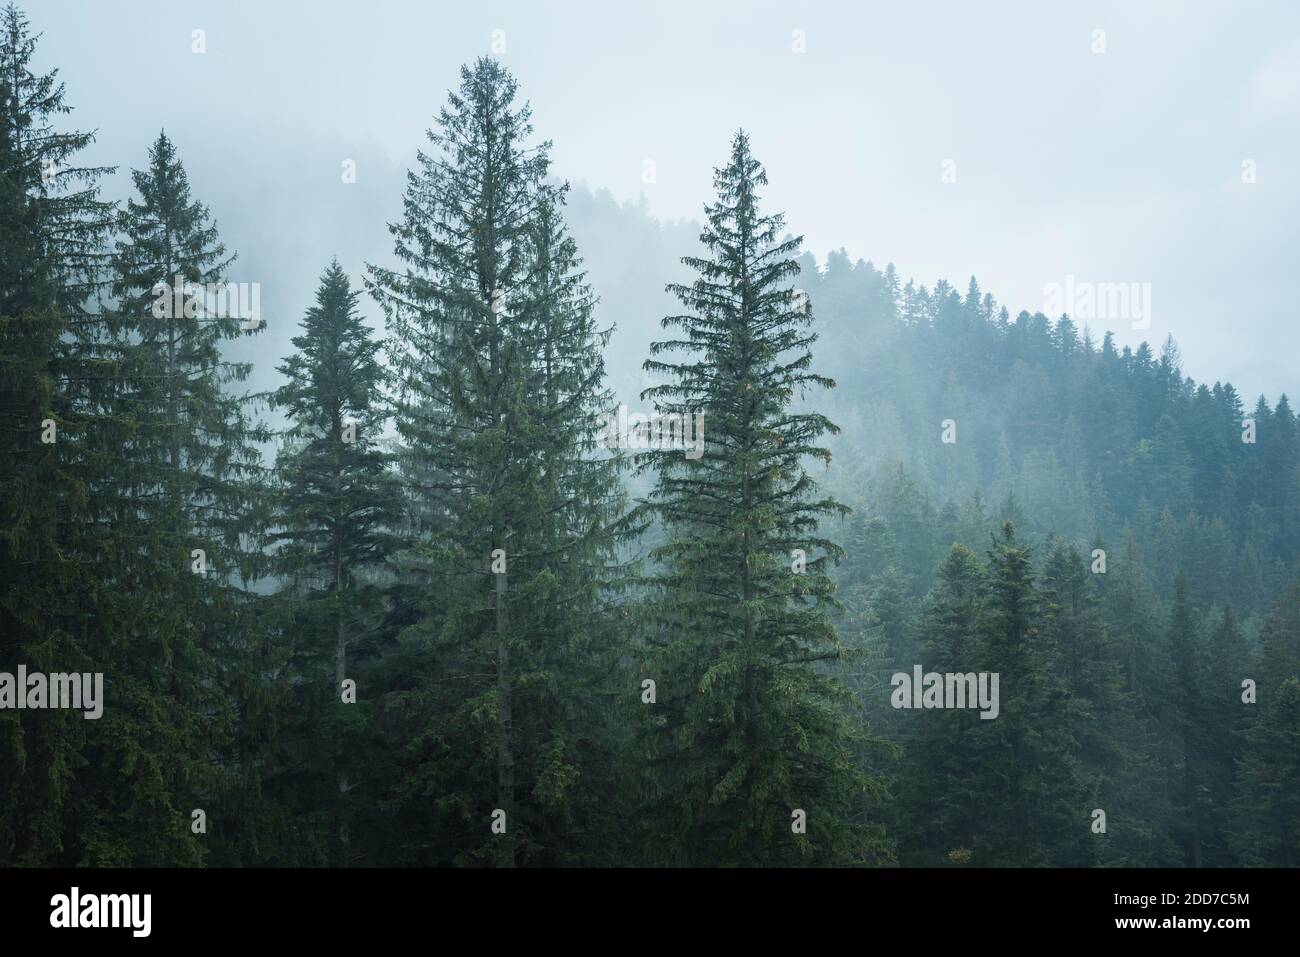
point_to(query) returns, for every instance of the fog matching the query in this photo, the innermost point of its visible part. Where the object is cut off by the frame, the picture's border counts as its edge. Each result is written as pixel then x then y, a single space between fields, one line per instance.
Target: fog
pixel 1122 166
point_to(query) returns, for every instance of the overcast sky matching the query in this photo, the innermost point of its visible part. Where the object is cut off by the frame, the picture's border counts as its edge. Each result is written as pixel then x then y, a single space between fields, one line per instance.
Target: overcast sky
pixel 1122 166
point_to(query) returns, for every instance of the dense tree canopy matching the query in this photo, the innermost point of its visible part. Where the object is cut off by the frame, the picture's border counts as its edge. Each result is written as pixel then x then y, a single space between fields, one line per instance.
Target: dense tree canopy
pixel 1006 595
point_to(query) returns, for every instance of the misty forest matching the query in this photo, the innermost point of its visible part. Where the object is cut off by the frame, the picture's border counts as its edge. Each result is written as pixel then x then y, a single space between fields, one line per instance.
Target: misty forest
pixel 450 582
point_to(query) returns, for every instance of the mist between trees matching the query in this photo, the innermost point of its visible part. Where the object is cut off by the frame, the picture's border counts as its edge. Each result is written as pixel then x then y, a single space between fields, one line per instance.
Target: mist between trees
pixel 435 616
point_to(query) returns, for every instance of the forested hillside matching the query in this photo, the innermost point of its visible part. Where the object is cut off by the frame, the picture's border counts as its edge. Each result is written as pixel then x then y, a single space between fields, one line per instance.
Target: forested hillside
pixel 412 607
pixel 1155 522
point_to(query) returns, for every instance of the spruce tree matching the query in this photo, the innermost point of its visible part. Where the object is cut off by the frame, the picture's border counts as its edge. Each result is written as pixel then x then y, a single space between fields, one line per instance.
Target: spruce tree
pixel 336 503
pixel 498 370
pixel 940 791
pixel 575 633
pixel 1266 818
pixel 1130 608
pixel 1033 804
pixel 1117 759
pixel 751 737
pixel 53 437
pixel 1227 665
pixel 1188 726
pixel 1267 807
pixel 185 497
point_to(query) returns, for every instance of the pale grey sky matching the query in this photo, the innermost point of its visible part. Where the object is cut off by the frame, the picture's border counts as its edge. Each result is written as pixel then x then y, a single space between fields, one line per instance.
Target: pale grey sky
pixel 1122 166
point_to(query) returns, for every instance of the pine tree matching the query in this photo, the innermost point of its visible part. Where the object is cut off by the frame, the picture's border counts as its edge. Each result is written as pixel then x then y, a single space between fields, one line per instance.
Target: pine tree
pixel 1267 807
pixel 747 731
pixel 1266 810
pixel 46 193
pixel 185 499
pixel 1188 731
pixel 1115 755
pixel 337 503
pixel 1034 805
pixel 498 372
pixel 1225 727
pixel 1138 806
pixel 574 632
pixel 53 229
pixel 940 791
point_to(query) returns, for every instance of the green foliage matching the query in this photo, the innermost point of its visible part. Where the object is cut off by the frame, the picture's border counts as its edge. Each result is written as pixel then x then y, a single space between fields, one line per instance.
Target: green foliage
pixel 337 503
pixel 498 374
pixel 749 730
pixel 687 683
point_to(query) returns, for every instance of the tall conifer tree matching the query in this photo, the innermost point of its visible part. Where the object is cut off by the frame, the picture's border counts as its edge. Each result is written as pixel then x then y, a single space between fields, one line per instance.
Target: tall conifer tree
pixel 498 373
pixel 186 498
pixel 1034 805
pixel 752 738
pixel 53 439
pixel 337 506
pixel 941 787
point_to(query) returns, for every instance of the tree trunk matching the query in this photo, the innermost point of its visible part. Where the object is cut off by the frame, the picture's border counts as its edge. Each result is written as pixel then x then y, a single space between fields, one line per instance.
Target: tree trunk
pixel 340 630
pixel 505 757
pixel 340 666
